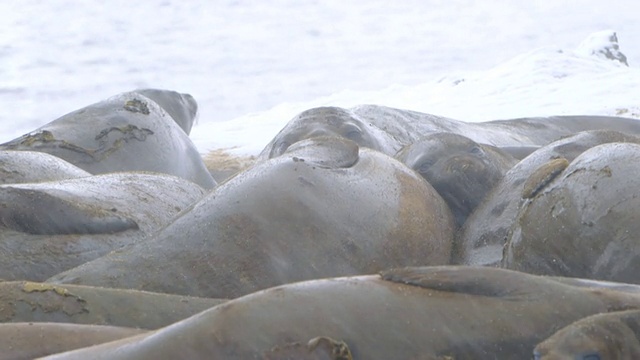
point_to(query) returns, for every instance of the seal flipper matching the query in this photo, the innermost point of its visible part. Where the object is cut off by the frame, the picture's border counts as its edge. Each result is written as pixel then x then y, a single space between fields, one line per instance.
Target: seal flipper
pixel 329 152
pixel 39 213
pixel 479 281
pixel 542 176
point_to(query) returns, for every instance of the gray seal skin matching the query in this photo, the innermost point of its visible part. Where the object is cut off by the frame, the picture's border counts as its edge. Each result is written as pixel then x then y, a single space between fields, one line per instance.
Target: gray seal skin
pixel 49 227
pixel 183 108
pixel 127 132
pixel 32 166
pixel 445 312
pixel 583 224
pixel 327 121
pixel 26 341
pixel 324 208
pixel 24 301
pixel 608 336
pixel 485 232
pixel 388 130
pixel 461 170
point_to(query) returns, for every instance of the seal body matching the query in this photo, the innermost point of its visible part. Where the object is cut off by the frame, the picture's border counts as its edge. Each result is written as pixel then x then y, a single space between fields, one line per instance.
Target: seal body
pixel 410 313
pixel 583 223
pixel 128 132
pixel 182 108
pixel 33 340
pixel 324 208
pixel 95 305
pixel 388 129
pixel 49 227
pixel 32 166
pixel 461 170
pixel 613 335
pixel 484 234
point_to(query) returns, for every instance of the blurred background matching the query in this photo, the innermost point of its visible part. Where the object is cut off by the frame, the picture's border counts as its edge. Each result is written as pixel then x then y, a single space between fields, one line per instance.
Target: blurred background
pixel 239 57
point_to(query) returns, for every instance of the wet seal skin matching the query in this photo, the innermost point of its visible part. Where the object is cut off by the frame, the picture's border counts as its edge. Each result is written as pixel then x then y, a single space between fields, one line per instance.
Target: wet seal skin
pixel 296 217
pixel 127 132
pixel 445 312
pixel 317 348
pixel 49 227
pixel 581 224
pixel 608 336
pixel 542 176
pixel 18 167
pixel 482 238
pixel 388 129
pixel 24 301
pixel 32 340
pixel 461 170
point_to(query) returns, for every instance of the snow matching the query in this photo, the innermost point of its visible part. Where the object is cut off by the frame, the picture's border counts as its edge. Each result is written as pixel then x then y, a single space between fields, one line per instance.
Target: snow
pixel 542 82
pixel 252 65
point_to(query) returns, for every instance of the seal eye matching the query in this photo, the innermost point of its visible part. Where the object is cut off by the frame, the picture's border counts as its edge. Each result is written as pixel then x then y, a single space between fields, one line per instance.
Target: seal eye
pixel 424 166
pixel 352 132
pixel 476 150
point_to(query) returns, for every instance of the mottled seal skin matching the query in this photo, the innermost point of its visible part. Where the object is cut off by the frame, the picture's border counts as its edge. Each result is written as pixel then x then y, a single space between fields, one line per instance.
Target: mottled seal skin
pixel 26 341
pixel 388 130
pixel 128 132
pixel 31 166
pixel 23 301
pixel 461 170
pixel 183 108
pixel 486 230
pixel 610 336
pixel 49 227
pixel 411 313
pixel 583 224
pixel 324 208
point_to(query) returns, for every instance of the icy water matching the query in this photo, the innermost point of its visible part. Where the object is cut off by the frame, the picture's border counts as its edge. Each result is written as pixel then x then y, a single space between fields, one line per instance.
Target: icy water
pixel 239 57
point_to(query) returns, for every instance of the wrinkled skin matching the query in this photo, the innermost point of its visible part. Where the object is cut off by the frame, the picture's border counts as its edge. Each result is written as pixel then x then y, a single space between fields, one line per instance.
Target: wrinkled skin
pixel 388 130
pixel 484 234
pixel 411 313
pixel 583 224
pixel 18 167
pixel 127 132
pixel 603 336
pixel 325 208
pixel 49 227
pixel 461 170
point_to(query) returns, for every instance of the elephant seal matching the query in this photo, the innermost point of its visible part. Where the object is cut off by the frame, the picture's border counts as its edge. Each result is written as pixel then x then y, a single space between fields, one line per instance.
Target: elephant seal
pixel 461 170
pixel 128 132
pixel 324 208
pixel 485 232
pixel 26 341
pixel 94 305
pixel 446 312
pixel 612 336
pixel 583 223
pixel 31 166
pixel 388 129
pixel 519 152
pixel 327 121
pixel 53 226
pixel 182 108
